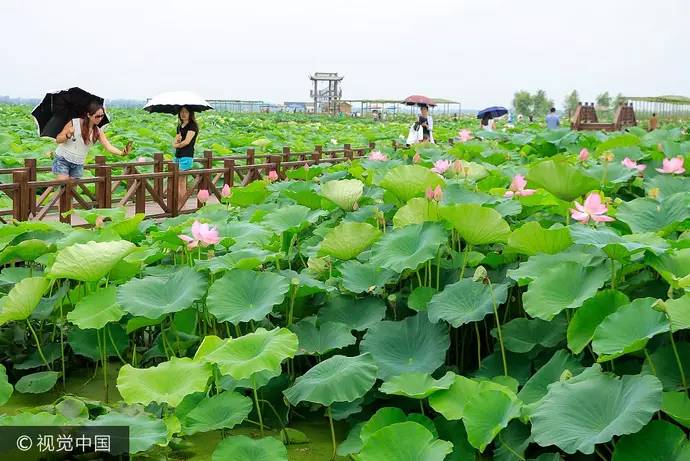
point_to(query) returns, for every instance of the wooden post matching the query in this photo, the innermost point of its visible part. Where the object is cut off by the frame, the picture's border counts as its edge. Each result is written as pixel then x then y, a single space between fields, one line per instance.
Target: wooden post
pixel 158 168
pixel 30 166
pixel 286 153
pixel 20 199
pixel 173 190
pixel 229 175
pixel 104 188
pixel 394 144
pixel 316 157
pixel 205 183
pixel 66 202
pixel 251 173
pixel 276 160
pixel 348 152
pixel 140 196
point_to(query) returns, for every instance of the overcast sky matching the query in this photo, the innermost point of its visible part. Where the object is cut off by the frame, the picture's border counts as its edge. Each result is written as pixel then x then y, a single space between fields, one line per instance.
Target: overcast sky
pixel 478 52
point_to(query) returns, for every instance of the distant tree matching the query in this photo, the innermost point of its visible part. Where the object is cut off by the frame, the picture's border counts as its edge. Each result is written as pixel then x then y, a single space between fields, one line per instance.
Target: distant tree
pixel 604 100
pixel 570 102
pixel 618 100
pixel 522 103
pixel 541 104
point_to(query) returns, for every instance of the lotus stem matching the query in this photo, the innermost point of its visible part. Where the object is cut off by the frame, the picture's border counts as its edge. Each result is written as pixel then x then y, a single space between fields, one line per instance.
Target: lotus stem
pixel 468 247
pixel 479 346
pixel 498 327
pixel 421 406
pixel 112 341
pixel 649 359
pixel 678 362
pixel 104 365
pixel 613 274
pixel 419 279
pixel 330 420
pixel 62 348
pixel 258 408
pixel 600 455
pixel 38 344
pixel 438 270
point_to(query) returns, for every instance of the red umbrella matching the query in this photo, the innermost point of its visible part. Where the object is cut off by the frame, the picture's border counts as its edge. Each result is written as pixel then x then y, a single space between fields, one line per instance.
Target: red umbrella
pixel 418 100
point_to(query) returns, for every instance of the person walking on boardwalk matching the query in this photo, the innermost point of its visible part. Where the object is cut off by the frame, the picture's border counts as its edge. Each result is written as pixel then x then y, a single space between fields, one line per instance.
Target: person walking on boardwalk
pixel 75 140
pixel 185 139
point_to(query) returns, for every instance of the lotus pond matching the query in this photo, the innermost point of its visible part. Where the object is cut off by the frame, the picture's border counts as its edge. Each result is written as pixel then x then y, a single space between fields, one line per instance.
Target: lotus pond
pixel 519 295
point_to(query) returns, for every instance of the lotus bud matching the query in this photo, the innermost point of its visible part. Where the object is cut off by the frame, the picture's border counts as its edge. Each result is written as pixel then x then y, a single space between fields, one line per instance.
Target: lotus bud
pixel 225 191
pixel 203 196
pixel 480 274
pixel 393 300
pixel 272 176
pixel 429 193
pixel 294 281
pixel 438 193
pixel 306 166
pixel 584 155
pixel 660 306
pixel 99 222
pixel 355 206
pixel 617 201
pixel 457 167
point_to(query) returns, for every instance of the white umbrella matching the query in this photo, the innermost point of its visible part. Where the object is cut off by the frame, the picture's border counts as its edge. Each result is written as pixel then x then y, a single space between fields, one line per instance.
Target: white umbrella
pixel 172 101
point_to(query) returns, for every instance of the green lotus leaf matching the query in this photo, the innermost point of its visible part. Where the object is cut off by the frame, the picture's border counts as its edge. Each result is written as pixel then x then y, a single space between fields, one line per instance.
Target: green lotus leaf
pixel 408 247
pixel 613 244
pixel 337 379
pixel 156 295
pixel 588 317
pixel 292 218
pixel 531 239
pixel 168 382
pixel 242 295
pixel 513 442
pixel 465 301
pixel 420 297
pixel 34 419
pixel 562 179
pixel 241 358
pixel 245 232
pixel 649 215
pixel 85 342
pixel 674 267
pixel 22 299
pixel 89 262
pixel 406 441
pixel 566 286
pixel 663 365
pixel 476 224
pixel 37 383
pixel 144 431
pixel 245 258
pixel 416 385
pixel 358 277
pixel 657 441
pixel 322 339
pixel 26 250
pixel 486 414
pixel 97 309
pixel 408 181
pixel 521 335
pixel 383 417
pixel 357 313
pixel 592 408
pixel 537 386
pixel 6 388
pixel 252 194
pixel 416 211
pixel 352 443
pixel 221 411
pixel 72 408
pixel 454 432
pixel 628 329
pixel 344 193
pixel 348 239
pixel 410 345
pixel 678 311
pixel 536 265
pixel 243 448
pixel 451 403
pixel 677 406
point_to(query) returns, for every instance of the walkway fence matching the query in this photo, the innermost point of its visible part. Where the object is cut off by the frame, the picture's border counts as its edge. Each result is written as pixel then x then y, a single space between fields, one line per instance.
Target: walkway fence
pixel 150 187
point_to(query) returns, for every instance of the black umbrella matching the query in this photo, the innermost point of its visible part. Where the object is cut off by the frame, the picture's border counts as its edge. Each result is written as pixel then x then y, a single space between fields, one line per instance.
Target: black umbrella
pixel 173 101
pixel 56 109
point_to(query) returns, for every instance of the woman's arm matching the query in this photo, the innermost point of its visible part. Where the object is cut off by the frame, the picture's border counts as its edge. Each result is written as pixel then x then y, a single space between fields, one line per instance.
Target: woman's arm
pixel 66 133
pixel 109 147
pixel 186 141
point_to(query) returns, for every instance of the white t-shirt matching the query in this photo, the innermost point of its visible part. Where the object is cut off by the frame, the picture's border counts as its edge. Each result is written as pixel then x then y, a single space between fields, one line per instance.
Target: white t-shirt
pixel 74 149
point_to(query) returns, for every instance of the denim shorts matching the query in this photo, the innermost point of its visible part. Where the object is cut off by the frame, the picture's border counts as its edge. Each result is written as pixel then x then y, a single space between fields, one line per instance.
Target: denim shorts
pixel 184 163
pixel 63 166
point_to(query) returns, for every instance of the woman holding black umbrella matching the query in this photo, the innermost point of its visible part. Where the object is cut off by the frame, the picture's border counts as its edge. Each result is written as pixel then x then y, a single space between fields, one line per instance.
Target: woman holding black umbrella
pixel 187 132
pixel 75 140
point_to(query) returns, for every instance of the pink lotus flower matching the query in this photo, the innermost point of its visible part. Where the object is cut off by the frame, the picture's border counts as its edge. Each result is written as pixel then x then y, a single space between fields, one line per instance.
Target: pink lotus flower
pixel 306 166
pixel 225 191
pixel 416 158
pixel 457 167
pixel 142 159
pixel 440 166
pixel 99 222
pixel 201 234
pixel 672 166
pixel 377 156
pixel 592 208
pixel 465 135
pixel 517 187
pixel 429 194
pixel 584 155
pixel 272 176
pixel 438 193
pixel 203 196
pixel 633 165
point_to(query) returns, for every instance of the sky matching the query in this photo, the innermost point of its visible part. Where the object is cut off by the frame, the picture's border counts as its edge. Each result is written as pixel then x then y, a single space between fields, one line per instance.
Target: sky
pixel 477 52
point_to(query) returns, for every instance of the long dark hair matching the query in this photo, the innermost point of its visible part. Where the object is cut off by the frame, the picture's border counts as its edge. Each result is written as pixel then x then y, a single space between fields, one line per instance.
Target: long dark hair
pixel 192 118
pixel 485 119
pixel 91 109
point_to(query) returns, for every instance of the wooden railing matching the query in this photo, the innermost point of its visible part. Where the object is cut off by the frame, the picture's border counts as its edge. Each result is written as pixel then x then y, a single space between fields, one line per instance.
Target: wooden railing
pixel 153 183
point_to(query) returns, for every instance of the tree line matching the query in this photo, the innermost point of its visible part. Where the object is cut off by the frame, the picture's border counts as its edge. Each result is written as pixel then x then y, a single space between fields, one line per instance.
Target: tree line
pixel 539 104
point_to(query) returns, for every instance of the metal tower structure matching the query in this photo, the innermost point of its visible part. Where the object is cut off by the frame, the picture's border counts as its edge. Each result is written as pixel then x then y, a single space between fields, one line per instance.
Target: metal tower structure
pixel 327 98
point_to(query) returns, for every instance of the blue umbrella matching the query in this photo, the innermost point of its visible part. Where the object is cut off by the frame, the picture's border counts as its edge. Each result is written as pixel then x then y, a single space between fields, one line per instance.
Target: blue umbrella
pixel 492 112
